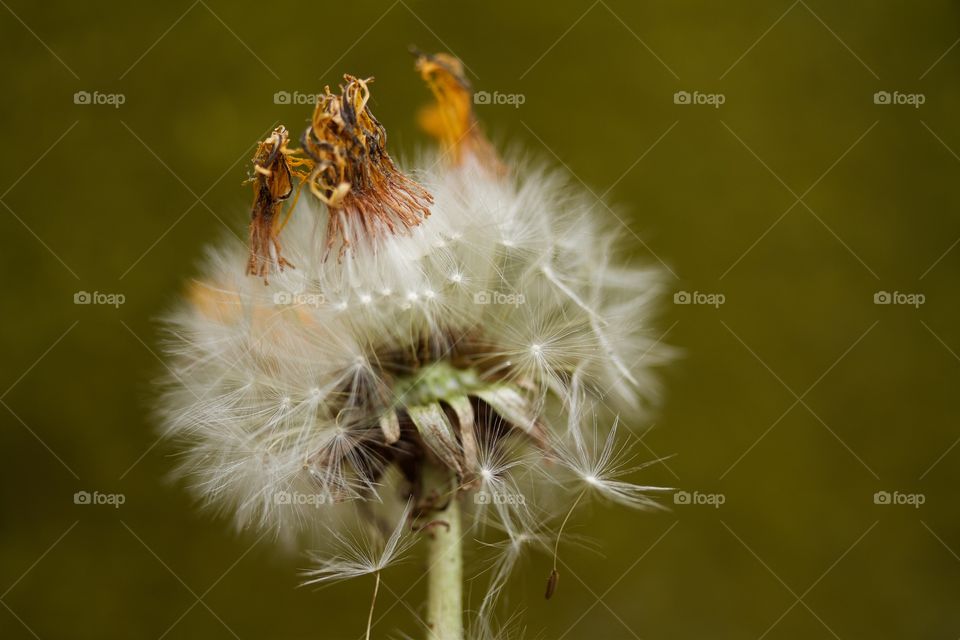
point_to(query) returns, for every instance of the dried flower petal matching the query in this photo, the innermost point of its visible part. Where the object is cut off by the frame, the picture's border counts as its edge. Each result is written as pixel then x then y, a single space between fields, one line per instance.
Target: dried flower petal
pixel 273 184
pixel 451 120
pixel 353 175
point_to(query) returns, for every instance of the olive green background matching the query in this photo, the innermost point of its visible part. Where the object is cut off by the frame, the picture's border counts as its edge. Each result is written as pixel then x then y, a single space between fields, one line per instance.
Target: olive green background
pixel 796 400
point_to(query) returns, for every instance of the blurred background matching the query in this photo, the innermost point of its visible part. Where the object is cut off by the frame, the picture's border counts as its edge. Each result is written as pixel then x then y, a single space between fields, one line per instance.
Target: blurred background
pixel 792 165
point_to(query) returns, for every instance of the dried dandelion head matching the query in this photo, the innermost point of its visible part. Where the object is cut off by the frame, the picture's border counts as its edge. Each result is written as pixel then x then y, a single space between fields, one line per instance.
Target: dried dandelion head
pixel 451 119
pixel 353 175
pixel 274 170
pixel 451 362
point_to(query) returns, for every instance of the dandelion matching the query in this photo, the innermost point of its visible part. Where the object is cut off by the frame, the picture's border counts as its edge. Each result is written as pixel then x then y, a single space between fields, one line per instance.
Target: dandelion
pixel 415 350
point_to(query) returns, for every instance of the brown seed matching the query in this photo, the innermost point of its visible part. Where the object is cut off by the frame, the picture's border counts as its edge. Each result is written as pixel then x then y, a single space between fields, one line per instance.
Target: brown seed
pixel 552 583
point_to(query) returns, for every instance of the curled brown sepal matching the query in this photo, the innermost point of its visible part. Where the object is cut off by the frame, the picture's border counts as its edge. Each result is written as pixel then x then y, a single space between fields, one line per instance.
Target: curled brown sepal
pixel 451 119
pixel 353 175
pixel 272 185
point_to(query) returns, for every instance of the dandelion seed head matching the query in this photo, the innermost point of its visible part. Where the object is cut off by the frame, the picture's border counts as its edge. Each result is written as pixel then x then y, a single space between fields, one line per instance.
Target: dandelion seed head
pixel 476 333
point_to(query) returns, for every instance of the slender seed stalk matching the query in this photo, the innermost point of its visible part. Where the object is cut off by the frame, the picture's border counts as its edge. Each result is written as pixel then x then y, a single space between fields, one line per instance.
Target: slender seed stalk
pixel 555 574
pixel 556 545
pixel 373 603
pixel 444 558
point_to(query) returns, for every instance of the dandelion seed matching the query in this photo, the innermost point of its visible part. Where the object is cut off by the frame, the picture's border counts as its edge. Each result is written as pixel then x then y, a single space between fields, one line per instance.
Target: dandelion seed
pixel 507 555
pixel 361 555
pixel 600 467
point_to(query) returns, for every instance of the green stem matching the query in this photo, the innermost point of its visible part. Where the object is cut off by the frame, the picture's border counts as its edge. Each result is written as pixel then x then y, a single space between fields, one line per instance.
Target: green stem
pixel 444 559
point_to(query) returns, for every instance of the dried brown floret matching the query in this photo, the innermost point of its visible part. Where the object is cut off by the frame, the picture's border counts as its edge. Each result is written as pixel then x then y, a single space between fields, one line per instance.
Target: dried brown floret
pixel 451 120
pixel 353 174
pixel 272 185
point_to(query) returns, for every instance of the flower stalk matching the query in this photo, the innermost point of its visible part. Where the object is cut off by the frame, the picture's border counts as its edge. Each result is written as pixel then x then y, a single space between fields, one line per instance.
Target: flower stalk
pixel 444 556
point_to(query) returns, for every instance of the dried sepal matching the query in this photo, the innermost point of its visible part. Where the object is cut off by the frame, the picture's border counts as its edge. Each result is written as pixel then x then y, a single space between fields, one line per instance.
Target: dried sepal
pixel 437 434
pixel 463 410
pixel 390 426
pixel 516 409
pixel 353 174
